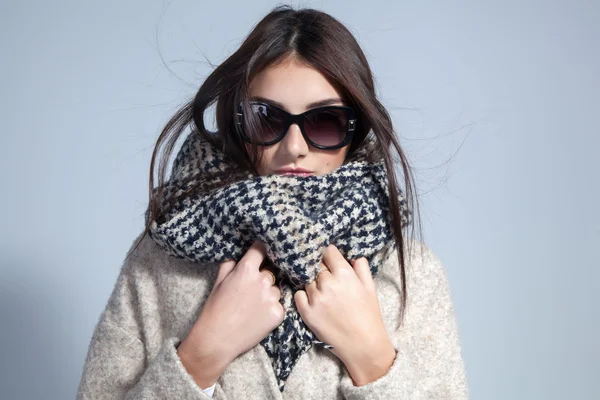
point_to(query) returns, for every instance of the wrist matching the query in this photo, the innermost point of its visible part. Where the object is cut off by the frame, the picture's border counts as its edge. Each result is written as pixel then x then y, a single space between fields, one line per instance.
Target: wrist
pixel 368 366
pixel 202 364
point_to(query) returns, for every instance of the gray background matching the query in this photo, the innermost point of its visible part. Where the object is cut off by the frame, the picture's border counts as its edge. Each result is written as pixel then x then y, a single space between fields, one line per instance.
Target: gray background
pixel 496 103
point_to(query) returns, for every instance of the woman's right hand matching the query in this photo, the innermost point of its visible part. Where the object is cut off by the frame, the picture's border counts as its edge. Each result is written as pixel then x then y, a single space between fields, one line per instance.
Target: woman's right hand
pixel 242 308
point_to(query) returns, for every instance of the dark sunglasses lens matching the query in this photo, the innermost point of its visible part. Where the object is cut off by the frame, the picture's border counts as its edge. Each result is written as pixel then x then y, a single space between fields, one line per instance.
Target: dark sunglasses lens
pixel 327 127
pixel 265 123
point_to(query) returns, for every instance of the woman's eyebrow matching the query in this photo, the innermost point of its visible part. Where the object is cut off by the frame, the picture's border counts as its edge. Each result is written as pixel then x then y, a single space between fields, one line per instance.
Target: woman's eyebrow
pixel 320 103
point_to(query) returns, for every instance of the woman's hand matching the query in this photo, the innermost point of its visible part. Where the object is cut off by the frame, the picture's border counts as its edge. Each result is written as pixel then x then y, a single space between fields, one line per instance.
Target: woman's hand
pixel 342 309
pixel 242 308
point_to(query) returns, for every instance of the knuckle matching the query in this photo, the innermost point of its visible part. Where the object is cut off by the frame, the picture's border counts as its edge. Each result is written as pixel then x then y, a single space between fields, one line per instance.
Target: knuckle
pixel 265 279
pixel 244 265
pixel 270 296
pixel 277 311
pixel 324 285
pixel 346 271
pixel 317 298
pixel 328 285
pixel 275 292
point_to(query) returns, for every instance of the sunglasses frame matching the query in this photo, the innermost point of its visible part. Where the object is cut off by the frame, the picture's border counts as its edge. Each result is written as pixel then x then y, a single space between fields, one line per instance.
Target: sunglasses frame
pixel 298 119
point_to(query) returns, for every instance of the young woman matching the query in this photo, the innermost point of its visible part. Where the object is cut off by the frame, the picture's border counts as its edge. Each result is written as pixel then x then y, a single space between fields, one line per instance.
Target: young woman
pixel 276 261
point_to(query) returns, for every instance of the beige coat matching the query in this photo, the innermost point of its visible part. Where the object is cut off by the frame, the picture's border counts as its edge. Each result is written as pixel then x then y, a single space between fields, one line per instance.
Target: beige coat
pixel 157 298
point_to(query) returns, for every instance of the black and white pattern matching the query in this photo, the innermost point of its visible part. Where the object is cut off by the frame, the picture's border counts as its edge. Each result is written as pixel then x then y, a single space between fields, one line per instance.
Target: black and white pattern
pixel 296 217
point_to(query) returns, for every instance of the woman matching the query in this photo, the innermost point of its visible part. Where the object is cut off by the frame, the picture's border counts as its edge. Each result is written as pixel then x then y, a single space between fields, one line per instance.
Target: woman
pixel 274 263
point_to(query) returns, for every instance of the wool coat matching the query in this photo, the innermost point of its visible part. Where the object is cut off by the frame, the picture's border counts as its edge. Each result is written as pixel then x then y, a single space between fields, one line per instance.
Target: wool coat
pixel 157 298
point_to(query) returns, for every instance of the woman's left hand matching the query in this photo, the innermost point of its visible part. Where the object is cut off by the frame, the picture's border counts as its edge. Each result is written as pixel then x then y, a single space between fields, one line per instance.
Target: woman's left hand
pixel 342 309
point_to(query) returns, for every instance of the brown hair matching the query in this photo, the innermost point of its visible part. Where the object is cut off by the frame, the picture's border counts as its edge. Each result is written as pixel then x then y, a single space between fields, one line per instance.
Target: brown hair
pixel 315 39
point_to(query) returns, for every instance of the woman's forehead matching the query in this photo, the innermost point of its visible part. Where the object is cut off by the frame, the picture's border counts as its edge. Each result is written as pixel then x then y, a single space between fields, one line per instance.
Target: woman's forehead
pixel 294 87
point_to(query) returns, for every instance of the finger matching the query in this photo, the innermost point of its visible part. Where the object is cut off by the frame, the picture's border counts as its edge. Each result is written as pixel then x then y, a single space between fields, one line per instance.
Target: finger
pixel 225 269
pixel 301 299
pixel 323 276
pixel 311 289
pixel 361 267
pixel 334 260
pixel 269 277
pixel 267 264
pixel 255 255
pixel 276 292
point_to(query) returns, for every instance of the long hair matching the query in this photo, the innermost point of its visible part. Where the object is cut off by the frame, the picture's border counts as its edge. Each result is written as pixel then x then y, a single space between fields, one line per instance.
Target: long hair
pixel 319 41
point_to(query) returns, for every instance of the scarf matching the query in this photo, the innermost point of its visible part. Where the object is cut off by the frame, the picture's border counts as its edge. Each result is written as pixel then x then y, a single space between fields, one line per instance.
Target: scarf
pixel 295 217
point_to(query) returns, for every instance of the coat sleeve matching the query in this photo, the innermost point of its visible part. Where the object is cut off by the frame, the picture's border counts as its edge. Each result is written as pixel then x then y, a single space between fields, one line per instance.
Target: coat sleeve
pixel 428 363
pixel 117 366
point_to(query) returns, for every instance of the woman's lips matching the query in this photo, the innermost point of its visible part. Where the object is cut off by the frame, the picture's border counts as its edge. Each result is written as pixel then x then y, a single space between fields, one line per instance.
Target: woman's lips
pixel 296 173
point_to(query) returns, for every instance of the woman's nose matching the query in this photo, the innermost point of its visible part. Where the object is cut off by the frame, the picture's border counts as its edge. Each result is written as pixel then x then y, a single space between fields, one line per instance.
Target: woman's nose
pixel 293 143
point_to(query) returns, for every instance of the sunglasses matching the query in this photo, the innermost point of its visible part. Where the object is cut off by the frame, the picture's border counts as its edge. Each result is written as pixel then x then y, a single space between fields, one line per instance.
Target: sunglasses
pixel 329 127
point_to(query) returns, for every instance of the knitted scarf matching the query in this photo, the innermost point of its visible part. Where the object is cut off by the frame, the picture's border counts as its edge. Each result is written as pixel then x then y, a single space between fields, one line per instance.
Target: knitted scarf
pixel 295 217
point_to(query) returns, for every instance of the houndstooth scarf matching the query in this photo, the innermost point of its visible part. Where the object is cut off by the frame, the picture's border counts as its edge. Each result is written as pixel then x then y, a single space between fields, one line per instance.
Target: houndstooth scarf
pixel 296 217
